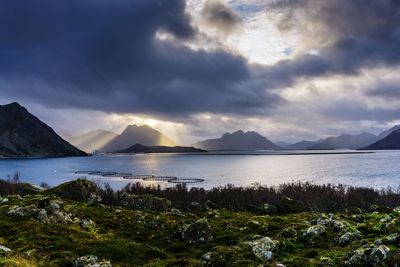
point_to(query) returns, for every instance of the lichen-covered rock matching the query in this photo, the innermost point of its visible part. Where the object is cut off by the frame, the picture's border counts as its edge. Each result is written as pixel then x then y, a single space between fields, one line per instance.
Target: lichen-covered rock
pixel 387 218
pixel 227 256
pixel 369 256
pixel 41 216
pixel 206 259
pixel 335 225
pixel 94 198
pixel 23 211
pixel 87 224
pixel 314 231
pixel 78 190
pixel 4 249
pixel 60 218
pixel 348 238
pixel 53 206
pixel 392 239
pixel 3 200
pixel 263 247
pixel 145 202
pixel 91 261
pixel 198 232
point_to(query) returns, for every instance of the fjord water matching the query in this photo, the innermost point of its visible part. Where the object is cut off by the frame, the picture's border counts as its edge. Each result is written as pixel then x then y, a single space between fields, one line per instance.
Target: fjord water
pixel 378 170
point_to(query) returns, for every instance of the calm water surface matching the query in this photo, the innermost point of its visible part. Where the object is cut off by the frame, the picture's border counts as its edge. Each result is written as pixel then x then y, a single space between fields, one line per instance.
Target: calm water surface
pixel 379 170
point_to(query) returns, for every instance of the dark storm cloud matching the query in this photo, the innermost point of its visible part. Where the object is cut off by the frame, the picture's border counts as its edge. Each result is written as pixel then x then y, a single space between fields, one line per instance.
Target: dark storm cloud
pixel 353 110
pixel 349 36
pixel 385 91
pixel 104 55
pixel 220 15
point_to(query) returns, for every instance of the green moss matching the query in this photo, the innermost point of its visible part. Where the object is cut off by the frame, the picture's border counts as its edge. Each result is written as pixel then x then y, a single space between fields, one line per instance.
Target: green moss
pixel 144 238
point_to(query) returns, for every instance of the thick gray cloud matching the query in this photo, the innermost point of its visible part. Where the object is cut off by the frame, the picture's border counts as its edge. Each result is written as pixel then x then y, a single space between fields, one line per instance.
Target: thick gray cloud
pixel 385 91
pixel 348 36
pixel 104 55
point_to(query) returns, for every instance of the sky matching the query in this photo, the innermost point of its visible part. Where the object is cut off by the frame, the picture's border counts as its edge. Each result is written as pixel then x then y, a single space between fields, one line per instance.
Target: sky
pixel 195 69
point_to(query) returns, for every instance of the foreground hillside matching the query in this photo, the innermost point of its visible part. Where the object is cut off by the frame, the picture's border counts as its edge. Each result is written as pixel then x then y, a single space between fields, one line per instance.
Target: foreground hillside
pixel 70 226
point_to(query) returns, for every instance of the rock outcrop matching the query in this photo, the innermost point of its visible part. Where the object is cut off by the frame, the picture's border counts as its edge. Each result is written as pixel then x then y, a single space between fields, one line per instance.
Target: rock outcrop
pixel 198 232
pixel 91 261
pixel 78 190
pixel 263 248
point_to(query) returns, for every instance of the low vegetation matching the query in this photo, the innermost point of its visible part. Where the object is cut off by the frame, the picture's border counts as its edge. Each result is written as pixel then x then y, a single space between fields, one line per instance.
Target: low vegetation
pixel 289 225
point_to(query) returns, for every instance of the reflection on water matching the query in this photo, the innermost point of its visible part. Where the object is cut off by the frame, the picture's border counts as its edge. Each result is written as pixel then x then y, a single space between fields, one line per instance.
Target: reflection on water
pixel 381 169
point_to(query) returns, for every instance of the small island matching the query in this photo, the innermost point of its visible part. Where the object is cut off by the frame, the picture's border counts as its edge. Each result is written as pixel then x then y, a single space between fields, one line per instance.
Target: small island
pixel 138 148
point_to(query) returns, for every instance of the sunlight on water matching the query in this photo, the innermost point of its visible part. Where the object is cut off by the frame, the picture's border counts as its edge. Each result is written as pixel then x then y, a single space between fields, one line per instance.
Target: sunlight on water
pixel 381 169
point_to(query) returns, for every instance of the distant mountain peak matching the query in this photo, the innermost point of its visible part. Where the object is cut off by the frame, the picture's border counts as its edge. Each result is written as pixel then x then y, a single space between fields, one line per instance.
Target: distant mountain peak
pixel 238 140
pixel 134 134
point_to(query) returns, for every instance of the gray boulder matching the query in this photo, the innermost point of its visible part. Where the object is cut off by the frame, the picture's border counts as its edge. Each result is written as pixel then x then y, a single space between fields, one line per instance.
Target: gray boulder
pixel 41 216
pixel 53 206
pixel 60 218
pixel 91 261
pixel 87 223
pixel 263 248
pixel 335 225
pixel 369 256
pixel 198 232
pixel 348 238
pixel 23 211
pixel 314 231
pixel 3 200
pixel 4 249
pixel 392 239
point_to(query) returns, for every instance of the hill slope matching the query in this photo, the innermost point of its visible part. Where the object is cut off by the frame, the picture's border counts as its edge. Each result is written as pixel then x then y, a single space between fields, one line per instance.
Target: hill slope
pixel 138 148
pixel 392 141
pixel 345 141
pixel 238 140
pixel 24 135
pixel 92 140
pixel 133 134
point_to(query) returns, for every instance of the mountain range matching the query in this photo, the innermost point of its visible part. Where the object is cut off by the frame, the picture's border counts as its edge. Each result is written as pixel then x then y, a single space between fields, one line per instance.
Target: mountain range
pixel 24 135
pixel 345 141
pixel 390 141
pixel 238 140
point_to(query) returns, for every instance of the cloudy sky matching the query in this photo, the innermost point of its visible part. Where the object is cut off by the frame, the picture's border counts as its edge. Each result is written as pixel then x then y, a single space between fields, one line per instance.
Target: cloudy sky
pixel 289 69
